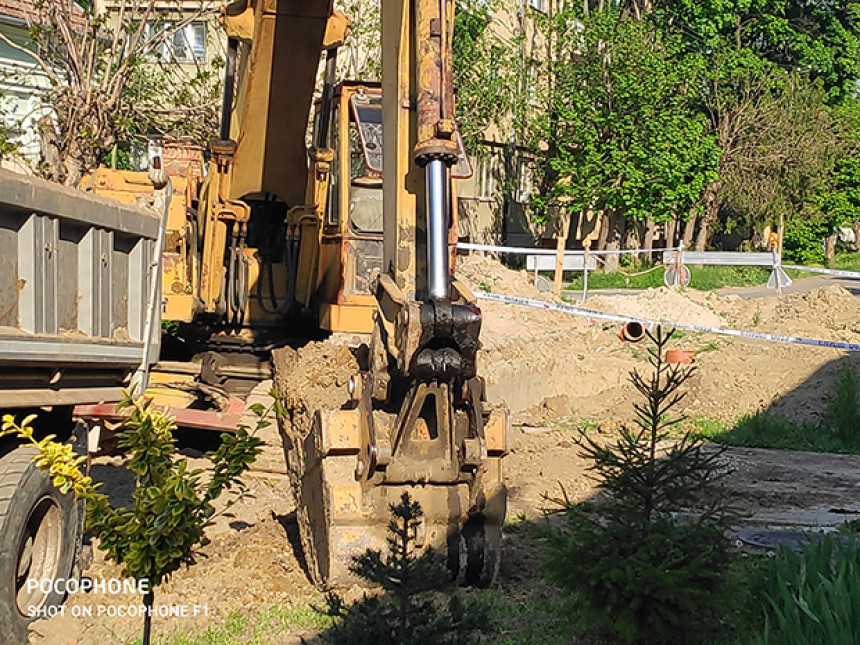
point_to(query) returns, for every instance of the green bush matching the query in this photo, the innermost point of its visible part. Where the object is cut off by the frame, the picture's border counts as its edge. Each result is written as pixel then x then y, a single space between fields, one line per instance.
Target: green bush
pixel 843 412
pixel 164 528
pixel 663 582
pixel 812 597
pixel 803 240
pixel 639 570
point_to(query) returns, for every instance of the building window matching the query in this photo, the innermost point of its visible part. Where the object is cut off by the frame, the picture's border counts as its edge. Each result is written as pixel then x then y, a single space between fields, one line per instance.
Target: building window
pixel 487 178
pixel 532 81
pixel 184 44
pixel 524 180
pixel 538 5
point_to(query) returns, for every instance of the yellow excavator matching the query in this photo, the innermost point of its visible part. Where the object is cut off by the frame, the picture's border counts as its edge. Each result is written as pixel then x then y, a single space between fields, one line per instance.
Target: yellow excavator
pixel 350 235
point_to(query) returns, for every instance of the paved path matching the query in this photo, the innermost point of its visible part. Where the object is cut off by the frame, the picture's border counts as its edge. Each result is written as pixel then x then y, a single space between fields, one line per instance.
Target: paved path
pixel 801 285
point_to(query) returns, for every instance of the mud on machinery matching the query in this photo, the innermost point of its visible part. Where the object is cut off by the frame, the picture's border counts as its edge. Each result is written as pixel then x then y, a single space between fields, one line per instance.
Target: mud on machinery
pixel 355 233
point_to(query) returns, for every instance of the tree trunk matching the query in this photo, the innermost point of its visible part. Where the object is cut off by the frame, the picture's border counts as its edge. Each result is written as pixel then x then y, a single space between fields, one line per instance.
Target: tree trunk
pixel 604 230
pixel 689 230
pixel 671 227
pixel 49 148
pixel 560 245
pixel 633 235
pixel 648 239
pixel 615 233
pixel 830 248
pixel 712 211
pixel 856 228
pixel 73 172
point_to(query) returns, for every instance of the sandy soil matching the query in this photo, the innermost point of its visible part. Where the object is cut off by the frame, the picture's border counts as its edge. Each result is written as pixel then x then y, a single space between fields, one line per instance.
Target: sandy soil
pixel 548 367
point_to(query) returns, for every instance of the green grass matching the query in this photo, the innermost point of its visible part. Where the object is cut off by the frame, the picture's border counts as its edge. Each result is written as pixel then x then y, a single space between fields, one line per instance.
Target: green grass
pixel 837 431
pixel 766 430
pixel 239 628
pixel 538 615
pixel 703 278
pixel 579 424
pixel 847 261
pixel 843 411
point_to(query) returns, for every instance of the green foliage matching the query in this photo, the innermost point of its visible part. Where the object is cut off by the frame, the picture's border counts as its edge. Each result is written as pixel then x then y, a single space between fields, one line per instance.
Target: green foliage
pixel 173 505
pixel 485 69
pixel 802 240
pixel 847 261
pixel 843 408
pixel 812 597
pixel 621 124
pixel 793 34
pixel 408 612
pixel 642 572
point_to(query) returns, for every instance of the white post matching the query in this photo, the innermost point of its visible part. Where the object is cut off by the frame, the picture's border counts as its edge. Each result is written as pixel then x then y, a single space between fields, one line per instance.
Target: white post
pixel 586 244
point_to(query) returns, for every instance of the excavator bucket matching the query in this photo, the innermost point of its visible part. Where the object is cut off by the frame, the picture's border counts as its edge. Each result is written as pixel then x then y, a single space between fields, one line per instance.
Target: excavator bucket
pixel 347 466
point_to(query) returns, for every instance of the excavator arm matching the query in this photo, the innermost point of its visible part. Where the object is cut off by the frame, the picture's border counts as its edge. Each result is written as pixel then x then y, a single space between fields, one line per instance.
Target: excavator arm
pixel 417 420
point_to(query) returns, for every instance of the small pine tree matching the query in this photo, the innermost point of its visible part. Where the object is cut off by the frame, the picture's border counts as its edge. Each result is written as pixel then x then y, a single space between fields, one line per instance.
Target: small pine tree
pixel 410 610
pixel 642 572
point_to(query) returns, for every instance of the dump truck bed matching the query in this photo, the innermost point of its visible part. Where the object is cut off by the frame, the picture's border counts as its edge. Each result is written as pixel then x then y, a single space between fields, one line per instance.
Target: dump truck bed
pixel 75 278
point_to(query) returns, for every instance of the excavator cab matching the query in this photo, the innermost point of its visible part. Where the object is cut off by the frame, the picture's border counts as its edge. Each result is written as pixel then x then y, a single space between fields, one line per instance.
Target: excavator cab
pixel 352 233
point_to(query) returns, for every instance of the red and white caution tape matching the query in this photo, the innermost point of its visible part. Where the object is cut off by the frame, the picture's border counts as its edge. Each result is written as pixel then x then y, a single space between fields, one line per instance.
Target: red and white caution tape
pixel 602 315
pixel 836 272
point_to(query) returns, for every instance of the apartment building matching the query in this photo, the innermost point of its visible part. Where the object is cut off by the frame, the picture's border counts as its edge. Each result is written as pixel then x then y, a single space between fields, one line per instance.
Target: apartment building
pixel 494 202
pixel 185 32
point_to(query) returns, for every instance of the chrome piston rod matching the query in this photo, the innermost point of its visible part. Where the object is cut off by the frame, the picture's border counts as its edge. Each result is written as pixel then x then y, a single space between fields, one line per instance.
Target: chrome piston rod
pixel 438 205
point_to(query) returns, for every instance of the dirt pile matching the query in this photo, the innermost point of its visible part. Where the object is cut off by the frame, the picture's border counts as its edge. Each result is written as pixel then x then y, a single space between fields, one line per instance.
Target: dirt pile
pixel 535 360
pixel 482 273
pixel 548 365
pixel 659 304
pixel 313 377
pixel 827 312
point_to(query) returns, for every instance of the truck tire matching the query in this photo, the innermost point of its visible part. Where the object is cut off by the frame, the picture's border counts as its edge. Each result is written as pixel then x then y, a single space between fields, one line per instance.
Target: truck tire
pixel 38 539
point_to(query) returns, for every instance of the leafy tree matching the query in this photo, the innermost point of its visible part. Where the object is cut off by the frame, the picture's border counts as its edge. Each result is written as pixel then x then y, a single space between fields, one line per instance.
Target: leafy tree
pixel 622 123
pixel 486 70
pixel 173 505
pixel 109 83
pixel 751 50
pixel 789 155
